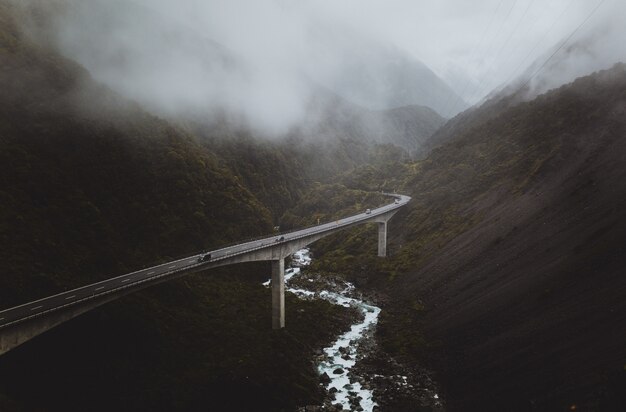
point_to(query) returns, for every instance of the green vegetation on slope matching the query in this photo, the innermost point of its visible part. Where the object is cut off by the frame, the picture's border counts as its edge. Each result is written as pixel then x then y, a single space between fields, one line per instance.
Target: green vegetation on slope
pixel 80 162
pixel 453 186
pixel 91 186
pixel 514 223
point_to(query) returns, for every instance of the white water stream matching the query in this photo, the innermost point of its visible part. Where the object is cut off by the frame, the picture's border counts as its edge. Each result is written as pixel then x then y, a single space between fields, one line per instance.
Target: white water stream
pixel 341 356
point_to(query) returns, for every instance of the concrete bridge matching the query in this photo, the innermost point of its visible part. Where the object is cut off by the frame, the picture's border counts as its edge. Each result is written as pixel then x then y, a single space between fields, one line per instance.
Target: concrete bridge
pixel 21 323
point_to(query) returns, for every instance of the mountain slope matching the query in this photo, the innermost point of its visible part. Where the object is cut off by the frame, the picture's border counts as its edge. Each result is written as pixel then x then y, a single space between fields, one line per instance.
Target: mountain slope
pixel 506 269
pixel 336 136
pixel 92 186
pixel 331 119
pixel 526 303
pixel 409 127
pixel 379 76
pixel 66 139
pixel 180 74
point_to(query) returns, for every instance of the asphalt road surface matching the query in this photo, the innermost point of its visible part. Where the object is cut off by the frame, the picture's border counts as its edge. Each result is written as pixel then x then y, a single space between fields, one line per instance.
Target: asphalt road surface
pixel 191 263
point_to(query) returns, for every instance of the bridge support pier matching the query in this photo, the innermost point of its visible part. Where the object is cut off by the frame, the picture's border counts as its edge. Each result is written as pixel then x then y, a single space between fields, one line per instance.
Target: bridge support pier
pixel 382 239
pixel 24 322
pixel 278 294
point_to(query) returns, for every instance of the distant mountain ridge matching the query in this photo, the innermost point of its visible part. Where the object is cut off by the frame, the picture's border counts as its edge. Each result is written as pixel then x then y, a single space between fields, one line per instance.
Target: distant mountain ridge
pixel 380 76
pixel 173 71
pixel 330 117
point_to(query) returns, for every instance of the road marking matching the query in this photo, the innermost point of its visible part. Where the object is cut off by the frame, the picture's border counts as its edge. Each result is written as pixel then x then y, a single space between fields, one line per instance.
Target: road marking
pixel 100 288
pixel 125 280
pixel 70 297
pixel 36 307
pixel 149 273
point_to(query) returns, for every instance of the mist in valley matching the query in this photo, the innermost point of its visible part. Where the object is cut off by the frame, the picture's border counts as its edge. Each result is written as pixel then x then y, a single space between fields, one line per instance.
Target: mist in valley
pixel 265 64
pixel 137 133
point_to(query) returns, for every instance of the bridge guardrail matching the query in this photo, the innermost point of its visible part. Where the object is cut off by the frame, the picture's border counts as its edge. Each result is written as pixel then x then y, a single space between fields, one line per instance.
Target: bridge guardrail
pixel 194 266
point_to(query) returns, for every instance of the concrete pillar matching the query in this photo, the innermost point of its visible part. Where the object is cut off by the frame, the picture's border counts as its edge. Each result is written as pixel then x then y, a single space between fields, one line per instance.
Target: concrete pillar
pixel 382 239
pixel 278 294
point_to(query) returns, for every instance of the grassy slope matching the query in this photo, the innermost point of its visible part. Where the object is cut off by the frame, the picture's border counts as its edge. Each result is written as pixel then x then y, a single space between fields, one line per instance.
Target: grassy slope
pixel 92 186
pixel 505 270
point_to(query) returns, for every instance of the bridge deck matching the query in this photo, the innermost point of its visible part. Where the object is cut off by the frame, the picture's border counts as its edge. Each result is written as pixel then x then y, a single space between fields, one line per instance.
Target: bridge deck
pixel 185 265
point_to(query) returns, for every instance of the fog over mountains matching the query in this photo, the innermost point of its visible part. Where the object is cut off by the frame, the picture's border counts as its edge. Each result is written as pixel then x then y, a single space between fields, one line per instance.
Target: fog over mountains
pixel 591 49
pixel 135 132
pixel 262 68
pixel 261 64
pixel 379 76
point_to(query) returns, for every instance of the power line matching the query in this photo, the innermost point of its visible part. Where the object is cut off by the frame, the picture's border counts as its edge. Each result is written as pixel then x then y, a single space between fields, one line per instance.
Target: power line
pixel 561 46
pixel 481 90
pixel 540 41
pixel 466 114
pixel 474 50
pixel 496 35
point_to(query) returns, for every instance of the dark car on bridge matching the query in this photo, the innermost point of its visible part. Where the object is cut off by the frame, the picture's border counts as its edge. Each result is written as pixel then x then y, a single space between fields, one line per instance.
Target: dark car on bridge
pixel 204 258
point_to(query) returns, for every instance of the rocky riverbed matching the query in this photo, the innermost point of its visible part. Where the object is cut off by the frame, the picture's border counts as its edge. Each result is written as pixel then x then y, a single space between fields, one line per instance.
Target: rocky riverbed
pixel 356 373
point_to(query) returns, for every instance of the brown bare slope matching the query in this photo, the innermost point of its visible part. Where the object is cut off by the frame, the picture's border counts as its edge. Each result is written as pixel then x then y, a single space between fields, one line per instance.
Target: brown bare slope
pixel 506 271
pixel 528 304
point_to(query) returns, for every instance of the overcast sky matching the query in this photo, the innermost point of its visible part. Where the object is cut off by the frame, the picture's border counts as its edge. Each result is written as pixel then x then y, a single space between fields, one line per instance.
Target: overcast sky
pixel 472 44
pixel 476 45
pixel 153 53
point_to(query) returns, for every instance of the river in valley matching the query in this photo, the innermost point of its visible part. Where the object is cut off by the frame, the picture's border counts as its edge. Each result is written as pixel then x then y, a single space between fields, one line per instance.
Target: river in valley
pixel 349 385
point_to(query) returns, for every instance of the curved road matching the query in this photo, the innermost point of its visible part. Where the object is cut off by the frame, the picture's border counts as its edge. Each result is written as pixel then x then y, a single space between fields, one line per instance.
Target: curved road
pixel 187 264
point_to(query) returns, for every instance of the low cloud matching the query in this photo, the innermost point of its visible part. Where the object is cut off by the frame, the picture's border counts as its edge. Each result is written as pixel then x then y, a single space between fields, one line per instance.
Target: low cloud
pixel 260 60
pixel 596 46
